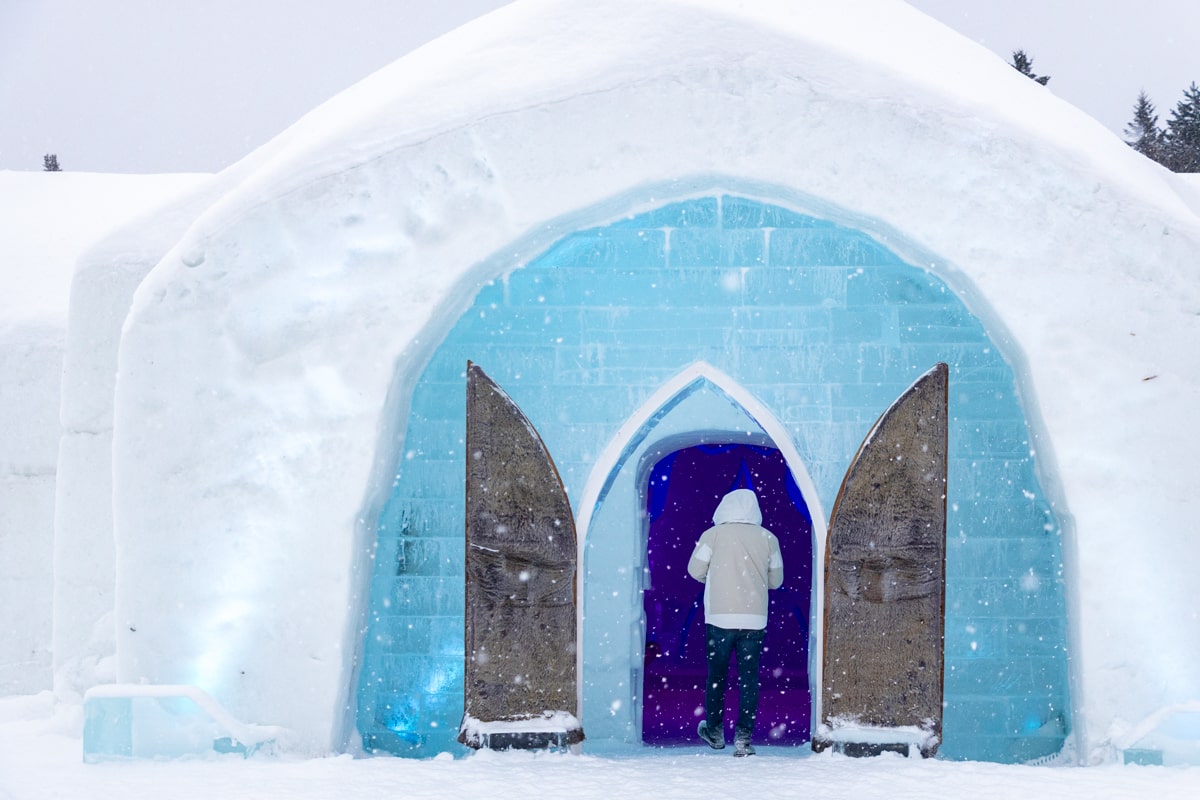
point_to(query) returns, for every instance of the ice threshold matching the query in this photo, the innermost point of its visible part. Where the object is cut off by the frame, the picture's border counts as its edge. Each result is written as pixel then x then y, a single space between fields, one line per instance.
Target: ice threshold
pixel 164 721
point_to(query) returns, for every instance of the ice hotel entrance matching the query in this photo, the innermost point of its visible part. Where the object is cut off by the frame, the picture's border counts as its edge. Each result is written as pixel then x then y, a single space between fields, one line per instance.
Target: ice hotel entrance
pixel 697 438
pixel 680 493
pixel 711 342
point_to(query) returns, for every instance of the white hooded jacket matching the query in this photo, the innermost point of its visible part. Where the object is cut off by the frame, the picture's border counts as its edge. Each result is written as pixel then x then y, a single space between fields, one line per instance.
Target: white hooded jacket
pixel 737 560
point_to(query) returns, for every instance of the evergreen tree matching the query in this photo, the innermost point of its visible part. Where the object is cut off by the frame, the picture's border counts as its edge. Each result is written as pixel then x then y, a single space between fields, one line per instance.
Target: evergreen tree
pixel 50 163
pixel 1023 64
pixel 1183 133
pixel 1144 134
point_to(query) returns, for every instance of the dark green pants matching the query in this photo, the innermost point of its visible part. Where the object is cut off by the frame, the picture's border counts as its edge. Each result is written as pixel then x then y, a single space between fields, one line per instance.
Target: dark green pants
pixel 723 643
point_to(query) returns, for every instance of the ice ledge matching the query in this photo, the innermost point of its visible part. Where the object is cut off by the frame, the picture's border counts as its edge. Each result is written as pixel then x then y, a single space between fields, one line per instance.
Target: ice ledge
pixel 113 728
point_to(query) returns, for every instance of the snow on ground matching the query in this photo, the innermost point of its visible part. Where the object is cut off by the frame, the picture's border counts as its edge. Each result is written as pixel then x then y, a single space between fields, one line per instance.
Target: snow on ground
pixel 40 758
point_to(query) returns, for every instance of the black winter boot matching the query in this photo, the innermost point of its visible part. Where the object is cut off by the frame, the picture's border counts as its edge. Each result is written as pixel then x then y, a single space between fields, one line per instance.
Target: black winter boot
pixel 714 739
pixel 742 746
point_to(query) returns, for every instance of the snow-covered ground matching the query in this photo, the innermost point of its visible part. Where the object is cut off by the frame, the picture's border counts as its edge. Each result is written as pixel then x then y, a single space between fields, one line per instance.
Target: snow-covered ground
pixel 40 758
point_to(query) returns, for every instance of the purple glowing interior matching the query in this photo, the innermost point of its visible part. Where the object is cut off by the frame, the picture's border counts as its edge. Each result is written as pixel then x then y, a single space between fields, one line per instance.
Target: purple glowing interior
pixel 684 489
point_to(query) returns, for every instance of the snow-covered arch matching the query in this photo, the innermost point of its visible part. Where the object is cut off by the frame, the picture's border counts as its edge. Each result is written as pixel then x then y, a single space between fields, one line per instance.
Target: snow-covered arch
pixel 641 422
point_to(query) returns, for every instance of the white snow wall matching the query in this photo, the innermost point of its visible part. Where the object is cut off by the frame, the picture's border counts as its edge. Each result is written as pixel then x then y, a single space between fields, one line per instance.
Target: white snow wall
pixel 255 392
pixel 31 365
pixel 84 550
pixel 48 220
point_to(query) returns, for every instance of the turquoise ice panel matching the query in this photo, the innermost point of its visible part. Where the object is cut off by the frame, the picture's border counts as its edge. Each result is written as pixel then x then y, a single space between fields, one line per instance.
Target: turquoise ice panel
pixel 822 324
pixel 149 727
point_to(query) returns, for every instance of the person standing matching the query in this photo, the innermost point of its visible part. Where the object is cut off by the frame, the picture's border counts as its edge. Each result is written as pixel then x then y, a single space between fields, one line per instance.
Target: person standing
pixel 737 560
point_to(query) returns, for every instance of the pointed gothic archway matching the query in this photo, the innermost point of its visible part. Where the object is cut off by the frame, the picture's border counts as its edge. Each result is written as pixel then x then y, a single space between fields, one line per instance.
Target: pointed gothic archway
pixel 698 407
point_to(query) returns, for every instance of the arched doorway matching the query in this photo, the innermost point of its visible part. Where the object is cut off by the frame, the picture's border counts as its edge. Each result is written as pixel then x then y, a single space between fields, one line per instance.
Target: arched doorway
pixel 699 406
pixel 715 318
pixel 683 489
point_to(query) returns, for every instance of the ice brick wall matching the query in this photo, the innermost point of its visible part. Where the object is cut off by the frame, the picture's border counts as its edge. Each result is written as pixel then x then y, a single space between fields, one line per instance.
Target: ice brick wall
pixel 821 323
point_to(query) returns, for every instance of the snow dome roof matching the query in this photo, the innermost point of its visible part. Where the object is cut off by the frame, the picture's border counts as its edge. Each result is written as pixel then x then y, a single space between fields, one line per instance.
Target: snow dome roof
pixel 531 53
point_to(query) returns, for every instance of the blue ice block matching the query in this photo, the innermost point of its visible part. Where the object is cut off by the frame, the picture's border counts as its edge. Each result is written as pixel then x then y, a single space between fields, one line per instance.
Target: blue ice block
pixel 163 721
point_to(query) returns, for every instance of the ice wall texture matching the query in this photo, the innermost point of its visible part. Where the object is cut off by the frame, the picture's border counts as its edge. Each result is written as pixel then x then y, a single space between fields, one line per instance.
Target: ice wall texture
pixel 826 328
pixel 47 221
pixel 105 279
pixel 30 368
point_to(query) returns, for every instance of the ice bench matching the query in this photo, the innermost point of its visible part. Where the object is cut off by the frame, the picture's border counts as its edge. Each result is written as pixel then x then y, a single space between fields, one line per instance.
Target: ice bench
pixel 164 721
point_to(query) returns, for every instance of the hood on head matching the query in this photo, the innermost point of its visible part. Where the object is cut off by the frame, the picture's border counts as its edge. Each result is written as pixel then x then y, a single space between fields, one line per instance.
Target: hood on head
pixel 740 505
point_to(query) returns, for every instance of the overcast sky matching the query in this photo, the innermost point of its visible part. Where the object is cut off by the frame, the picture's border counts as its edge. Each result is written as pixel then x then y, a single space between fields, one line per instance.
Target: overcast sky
pixel 194 85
